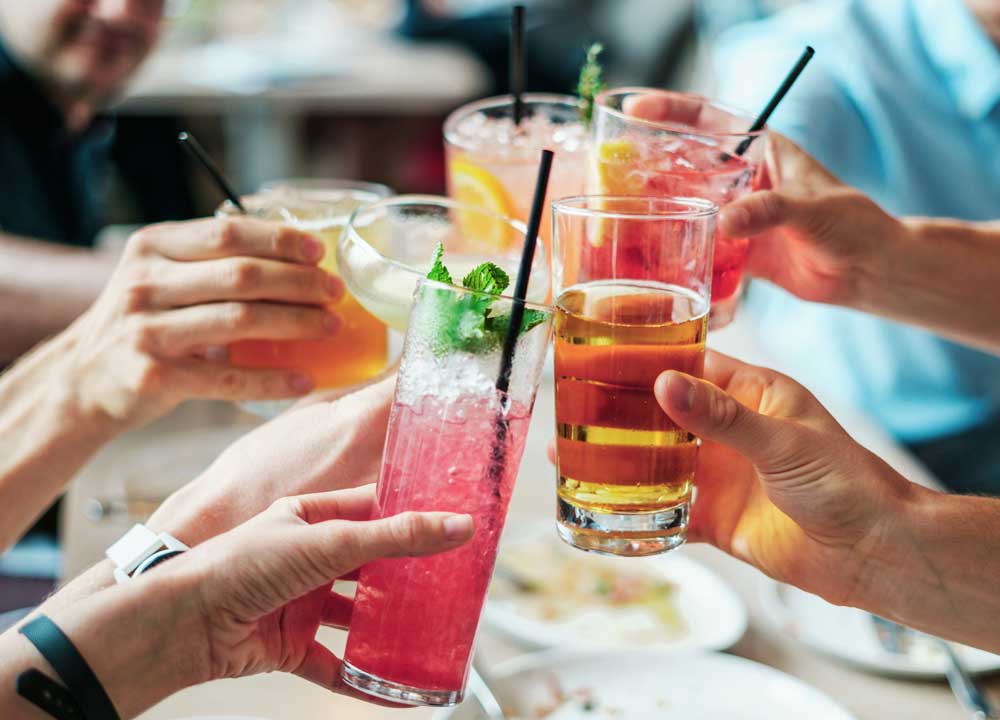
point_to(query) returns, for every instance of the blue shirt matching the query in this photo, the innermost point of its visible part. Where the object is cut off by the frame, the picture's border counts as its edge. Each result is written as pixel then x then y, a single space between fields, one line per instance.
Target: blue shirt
pixel 901 101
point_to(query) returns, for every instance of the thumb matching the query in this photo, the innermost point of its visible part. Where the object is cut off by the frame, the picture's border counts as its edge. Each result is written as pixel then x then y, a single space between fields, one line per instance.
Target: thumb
pixel 353 544
pixel 700 407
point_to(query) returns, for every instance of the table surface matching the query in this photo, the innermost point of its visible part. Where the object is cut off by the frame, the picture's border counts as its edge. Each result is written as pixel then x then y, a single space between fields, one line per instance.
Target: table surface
pixel 281 697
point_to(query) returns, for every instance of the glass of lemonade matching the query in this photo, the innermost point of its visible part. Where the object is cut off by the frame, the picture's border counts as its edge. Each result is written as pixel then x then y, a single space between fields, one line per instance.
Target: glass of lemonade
pixel 454 443
pixel 689 150
pixel 493 163
pixel 360 351
pixel 388 246
pixel 625 470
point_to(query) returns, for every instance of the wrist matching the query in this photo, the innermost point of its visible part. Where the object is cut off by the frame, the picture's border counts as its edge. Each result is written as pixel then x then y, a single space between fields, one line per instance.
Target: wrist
pixel 191 515
pixel 873 288
pixel 142 639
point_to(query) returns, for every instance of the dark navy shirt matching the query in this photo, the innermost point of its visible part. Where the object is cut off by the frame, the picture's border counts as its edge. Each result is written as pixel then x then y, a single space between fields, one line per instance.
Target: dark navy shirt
pixel 51 182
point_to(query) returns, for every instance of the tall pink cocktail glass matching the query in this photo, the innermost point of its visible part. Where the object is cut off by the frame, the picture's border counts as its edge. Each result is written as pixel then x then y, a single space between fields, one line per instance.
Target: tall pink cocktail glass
pixel 454 444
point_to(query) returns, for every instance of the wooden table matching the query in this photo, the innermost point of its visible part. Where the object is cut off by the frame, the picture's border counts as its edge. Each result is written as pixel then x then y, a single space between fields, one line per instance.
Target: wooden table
pixel 281 697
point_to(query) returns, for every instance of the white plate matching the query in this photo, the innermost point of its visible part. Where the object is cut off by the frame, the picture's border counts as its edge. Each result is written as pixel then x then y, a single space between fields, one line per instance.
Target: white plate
pixel 713 615
pixel 848 634
pixel 654 685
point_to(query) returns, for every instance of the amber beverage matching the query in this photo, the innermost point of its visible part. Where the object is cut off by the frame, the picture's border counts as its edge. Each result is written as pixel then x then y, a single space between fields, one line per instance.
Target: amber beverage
pixel 625 470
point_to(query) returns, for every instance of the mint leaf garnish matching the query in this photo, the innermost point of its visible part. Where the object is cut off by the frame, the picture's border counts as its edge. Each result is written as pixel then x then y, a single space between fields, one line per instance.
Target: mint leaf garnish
pixel 438 271
pixel 464 321
pixel 487 278
pixel 590 82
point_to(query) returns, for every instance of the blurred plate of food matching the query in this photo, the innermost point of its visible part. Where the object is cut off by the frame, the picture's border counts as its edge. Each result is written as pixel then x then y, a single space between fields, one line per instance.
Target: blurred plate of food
pixel 648 684
pixel 848 634
pixel 546 594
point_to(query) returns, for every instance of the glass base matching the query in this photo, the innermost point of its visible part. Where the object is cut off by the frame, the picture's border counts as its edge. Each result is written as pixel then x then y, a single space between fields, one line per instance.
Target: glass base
pixel 624 534
pixel 397 692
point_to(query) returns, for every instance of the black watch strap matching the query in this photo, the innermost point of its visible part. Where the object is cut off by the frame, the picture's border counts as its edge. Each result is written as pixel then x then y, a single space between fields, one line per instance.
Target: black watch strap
pixel 47 695
pixel 72 669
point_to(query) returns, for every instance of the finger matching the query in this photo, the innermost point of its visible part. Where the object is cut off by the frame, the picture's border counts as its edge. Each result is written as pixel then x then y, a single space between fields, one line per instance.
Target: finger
pixel 550 451
pixel 230 237
pixel 708 412
pixel 243 278
pixel 172 333
pixel 322 667
pixel 409 534
pixel 337 611
pixel 761 211
pixel 351 504
pixel 663 107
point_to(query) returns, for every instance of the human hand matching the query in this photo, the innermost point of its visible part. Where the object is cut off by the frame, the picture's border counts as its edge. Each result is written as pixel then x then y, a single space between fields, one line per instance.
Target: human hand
pixel 780 484
pixel 812 235
pixel 265 587
pixel 180 294
pixel 324 446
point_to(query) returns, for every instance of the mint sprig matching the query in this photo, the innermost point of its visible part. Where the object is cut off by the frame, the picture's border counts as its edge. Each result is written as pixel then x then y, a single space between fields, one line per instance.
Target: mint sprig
pixel 590 83
pixel 465 322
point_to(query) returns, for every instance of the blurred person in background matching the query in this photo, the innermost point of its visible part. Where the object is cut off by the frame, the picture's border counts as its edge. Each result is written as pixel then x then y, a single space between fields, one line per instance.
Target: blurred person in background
pixel 62 62
pixel 901 102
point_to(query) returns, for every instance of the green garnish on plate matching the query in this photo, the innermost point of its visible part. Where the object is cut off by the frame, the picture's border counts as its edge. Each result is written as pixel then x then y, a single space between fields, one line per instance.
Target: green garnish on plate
pixel 466 322
pixel 590 82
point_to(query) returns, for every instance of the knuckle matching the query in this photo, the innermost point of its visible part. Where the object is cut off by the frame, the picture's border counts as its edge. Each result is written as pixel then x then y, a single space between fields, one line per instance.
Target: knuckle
pixel 725 411
pixel 226 238
pixel 151 375
pixel 141 241
pixel 408 529
pixel 245 275
pixel 138 292
pixel 285 242
pixel 232 382
pixel 145 336
pixel 290 507
pixel 240 316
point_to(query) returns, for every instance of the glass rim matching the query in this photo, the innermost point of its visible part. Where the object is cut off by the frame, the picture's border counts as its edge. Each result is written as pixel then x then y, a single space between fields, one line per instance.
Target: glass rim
pixel 350 230
pixel 579 205
pixel 531 98
pixel 600 103
pixel 437 284
pixel 316 196
pixel 321 185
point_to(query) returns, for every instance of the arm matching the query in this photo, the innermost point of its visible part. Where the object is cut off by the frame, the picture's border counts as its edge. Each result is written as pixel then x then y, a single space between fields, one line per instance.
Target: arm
pixel 784 488
pixel 43 288
pixel 179 290
pixel 826 242
pixel 245 602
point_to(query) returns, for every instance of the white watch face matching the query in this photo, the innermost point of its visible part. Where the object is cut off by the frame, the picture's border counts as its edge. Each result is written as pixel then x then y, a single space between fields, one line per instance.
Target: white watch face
pixel 135 546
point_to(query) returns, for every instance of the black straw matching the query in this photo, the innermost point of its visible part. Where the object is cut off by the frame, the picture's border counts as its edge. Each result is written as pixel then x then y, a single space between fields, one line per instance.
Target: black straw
pixel 778 96
pixel 524 272
pixel 191 144
pixel 517 61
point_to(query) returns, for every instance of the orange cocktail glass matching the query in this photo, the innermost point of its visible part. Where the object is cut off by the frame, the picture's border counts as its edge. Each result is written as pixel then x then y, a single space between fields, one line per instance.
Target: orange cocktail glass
pixel 359 350
pixel 625 470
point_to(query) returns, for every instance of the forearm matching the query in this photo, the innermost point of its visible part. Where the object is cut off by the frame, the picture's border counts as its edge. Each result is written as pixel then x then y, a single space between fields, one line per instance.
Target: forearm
pixel 44 437
pixel 138 638
pixel 941 275
pixel 938 568
pixel 43 288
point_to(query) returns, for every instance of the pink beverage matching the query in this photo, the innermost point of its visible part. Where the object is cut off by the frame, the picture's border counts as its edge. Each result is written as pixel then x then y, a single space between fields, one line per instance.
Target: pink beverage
pixel 689 152
pixel 435 459
pixel 492 163
pixel 454 444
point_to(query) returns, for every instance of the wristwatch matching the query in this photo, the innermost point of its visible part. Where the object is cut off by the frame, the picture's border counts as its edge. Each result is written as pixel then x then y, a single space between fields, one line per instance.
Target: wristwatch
pixel 140 549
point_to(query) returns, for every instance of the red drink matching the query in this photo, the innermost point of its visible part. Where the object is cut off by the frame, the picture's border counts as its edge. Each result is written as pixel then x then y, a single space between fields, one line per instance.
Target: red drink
pixel 415 619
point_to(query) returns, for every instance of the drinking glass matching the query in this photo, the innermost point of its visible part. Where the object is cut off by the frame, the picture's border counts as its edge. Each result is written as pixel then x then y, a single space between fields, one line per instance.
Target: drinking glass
pixel 388 246
pixel 625 470
pixel 492 163
pixel 454 444
pixel 361 350
pixel 695 148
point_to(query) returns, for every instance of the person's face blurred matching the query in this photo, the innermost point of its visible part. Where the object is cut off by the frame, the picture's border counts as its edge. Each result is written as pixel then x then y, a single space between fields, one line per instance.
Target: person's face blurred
pixel 82 48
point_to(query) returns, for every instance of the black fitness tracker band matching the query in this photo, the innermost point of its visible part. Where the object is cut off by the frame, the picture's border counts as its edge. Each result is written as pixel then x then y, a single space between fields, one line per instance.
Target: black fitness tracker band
pixel 48 696
pixel 72 669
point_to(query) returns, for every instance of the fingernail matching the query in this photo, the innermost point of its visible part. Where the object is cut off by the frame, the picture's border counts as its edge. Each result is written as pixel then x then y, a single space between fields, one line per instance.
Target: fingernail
pixel 458 527
pixel 332 323
pixel 680 391
pixel 312 249
pixel 300 383
pixel 334 286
